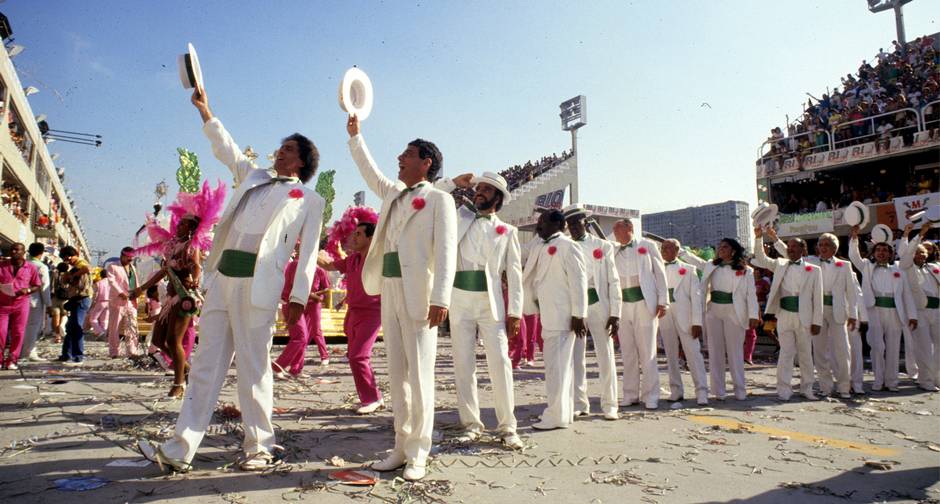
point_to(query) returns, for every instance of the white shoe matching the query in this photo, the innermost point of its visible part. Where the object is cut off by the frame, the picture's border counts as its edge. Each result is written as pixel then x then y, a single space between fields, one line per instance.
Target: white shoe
pixel 579 413
pixel 371 407
pixel 280 375
pixel 530 363
pixel 845 395
pixel 512 440
pixel 390 463
pixel 612 415
pixel 676 397
pixel 34 357
pixel 545 426
pixel 651 405
pixel 809 396
pixel 414 472
pixel 153 453
pixel 257 462
pixel 12 366
pixel 701 398
pixel 467 437
pixel 325 362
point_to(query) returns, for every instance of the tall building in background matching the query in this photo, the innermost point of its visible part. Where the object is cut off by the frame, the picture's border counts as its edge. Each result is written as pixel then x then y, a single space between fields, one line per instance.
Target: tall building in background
pixel 703 225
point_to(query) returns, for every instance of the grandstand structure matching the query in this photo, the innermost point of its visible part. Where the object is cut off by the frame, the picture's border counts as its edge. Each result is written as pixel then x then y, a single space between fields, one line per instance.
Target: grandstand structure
pixel 883 149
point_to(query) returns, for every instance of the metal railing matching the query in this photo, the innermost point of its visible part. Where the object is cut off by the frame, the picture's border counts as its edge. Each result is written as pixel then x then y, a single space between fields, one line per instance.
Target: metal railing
pixel 923 114
pixel 773 164
pixel 870 123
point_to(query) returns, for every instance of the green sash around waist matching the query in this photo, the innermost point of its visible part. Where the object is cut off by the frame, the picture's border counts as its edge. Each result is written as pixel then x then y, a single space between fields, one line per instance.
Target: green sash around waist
pixel 722 297
pixel 592 296
pixel 470 281
pixel 885 302
pixel 672 297
pixel 827 299
pixel 632 294
pixel 790 303
pixel 933 302
pixel 237 263
pixel 391 268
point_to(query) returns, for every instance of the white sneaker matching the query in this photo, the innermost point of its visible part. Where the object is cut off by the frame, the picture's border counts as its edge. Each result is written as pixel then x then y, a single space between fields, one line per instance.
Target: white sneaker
pixel 530 363
pixel 414 472
pixel 325 362
pixel 371 407
pixel 12 366
pixel 390 463
pixel 467 437
pixel 34 357
pixel 612 415
pixel 512 440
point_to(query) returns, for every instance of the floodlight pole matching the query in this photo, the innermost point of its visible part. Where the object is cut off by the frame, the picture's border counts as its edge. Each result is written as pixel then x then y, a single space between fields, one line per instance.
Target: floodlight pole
pixel 898 7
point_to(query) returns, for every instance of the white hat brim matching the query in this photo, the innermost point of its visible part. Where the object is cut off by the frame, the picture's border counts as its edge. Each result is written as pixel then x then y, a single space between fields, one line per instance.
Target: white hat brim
pixel 189 69
pixel 765 216
pixel 507 196
pixel 882 234
pixel 355 93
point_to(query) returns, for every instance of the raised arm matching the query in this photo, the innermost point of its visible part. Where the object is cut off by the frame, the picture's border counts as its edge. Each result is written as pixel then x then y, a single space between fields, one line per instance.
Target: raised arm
pixel 377 182
pixel 854 255
pixel 224 147
pixel 760 257
pixel 692 259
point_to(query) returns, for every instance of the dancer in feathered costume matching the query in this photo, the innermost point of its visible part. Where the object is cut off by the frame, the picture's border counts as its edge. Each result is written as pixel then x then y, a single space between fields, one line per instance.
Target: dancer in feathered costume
pixel 181 246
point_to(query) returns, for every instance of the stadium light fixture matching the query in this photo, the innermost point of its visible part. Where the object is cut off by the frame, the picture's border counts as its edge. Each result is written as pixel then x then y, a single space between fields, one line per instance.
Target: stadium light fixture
pixel 897 6
pixel 31 90
pixel 573 113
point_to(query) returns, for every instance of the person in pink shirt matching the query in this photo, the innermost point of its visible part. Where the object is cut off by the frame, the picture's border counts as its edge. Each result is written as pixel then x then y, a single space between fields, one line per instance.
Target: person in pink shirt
pixel 291 359
pixel 19 278
pixel 363 318
pixel 97 319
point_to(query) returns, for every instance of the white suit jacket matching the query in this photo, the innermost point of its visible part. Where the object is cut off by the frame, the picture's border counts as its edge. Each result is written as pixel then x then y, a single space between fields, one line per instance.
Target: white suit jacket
pixel 295 218
pixel 844 285
pixel 906 252
pixel 651 272
pixel 688 306
pixel 42 298
pixel 502 254
pixel 903 299
pixel 427 247
pixel 599 258
pixel 562 280
pixel 743 293
pixel 810 281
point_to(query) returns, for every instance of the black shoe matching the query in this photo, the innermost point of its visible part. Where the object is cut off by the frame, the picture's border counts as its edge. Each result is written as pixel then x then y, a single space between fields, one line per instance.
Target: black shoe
pixel 63 358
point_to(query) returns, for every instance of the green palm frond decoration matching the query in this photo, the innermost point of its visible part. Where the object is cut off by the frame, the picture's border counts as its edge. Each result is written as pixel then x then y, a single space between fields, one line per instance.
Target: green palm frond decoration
pixel 188 175
pixel 325 189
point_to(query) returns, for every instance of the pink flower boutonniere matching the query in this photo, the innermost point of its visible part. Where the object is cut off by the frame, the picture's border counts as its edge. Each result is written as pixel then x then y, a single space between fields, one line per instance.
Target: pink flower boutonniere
pixel 296 193
pixel 839 264
pixel 809 268
pixel 552 250
pixel 418 203
pixel 739 272
pixel 936 271
pixel 641 250
pixel 598 253
pixel 897 274
pixel 683 271
pixel 500 229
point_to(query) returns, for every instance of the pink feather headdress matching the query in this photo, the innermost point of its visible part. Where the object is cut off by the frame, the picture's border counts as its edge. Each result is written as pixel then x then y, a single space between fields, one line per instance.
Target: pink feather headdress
pixel 205 205
pixel 344 227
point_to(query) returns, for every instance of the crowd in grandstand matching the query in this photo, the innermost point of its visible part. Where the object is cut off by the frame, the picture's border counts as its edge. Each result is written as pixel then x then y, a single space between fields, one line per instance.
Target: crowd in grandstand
pixel 896 81
pixel 516 175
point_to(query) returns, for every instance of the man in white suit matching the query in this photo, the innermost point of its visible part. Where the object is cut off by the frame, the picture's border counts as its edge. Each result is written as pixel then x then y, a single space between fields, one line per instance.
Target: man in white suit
pixel 796 299
pixel 840 310
pixel 266 216
pixel 603 320
pixel 555 284
pixel 683 324
pixel 487 247
pixel 890 306
pixel 923 276
pixel 39 302
pixel 411 263
pixel 645 301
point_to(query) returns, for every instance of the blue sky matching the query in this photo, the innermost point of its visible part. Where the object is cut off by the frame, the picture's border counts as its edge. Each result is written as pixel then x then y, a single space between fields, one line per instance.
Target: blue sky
pixel 481 79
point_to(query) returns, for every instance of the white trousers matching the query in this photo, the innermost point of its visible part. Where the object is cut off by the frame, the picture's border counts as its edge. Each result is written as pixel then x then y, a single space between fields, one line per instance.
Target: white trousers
pixel 469 314
pixel 831 355
pixel 411 348
pixel 725 349
pixel 912 355
pixel 857 366
pixel 558 352
pixel 884 338
pixel 928 341
pixel 606 363
pixel 673 335
pixel 37 317
pixel 229 325
pixel 638 348
pixel 795 341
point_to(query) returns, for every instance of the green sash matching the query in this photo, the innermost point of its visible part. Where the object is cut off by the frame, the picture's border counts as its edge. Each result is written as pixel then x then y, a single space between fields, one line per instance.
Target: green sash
pixel 790 303
pixel 237 263
pixel 592 296
pixel 391 268
pixel 632 294
pixel 933 302
pixel 672 297
pixel 827 299
pixel 885 302
pixel 470 281
pixel 721 297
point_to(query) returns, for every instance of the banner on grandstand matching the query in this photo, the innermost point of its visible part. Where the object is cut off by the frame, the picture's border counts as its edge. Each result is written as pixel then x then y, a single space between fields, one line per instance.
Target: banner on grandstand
pixel 554 199
pixel 912 204
pixel 804 223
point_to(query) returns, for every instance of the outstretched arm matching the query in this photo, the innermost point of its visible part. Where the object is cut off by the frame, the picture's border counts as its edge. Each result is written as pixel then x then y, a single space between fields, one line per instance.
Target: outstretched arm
pixel 377 182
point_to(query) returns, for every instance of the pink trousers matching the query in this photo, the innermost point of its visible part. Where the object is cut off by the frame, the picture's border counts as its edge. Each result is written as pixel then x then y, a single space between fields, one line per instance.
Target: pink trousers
pixel 531 332
pixel 12 326
pixel 362 329
pixel 122 319
pixel 518 347
pixel 292 358
pixel 750 341
pixel 98 318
